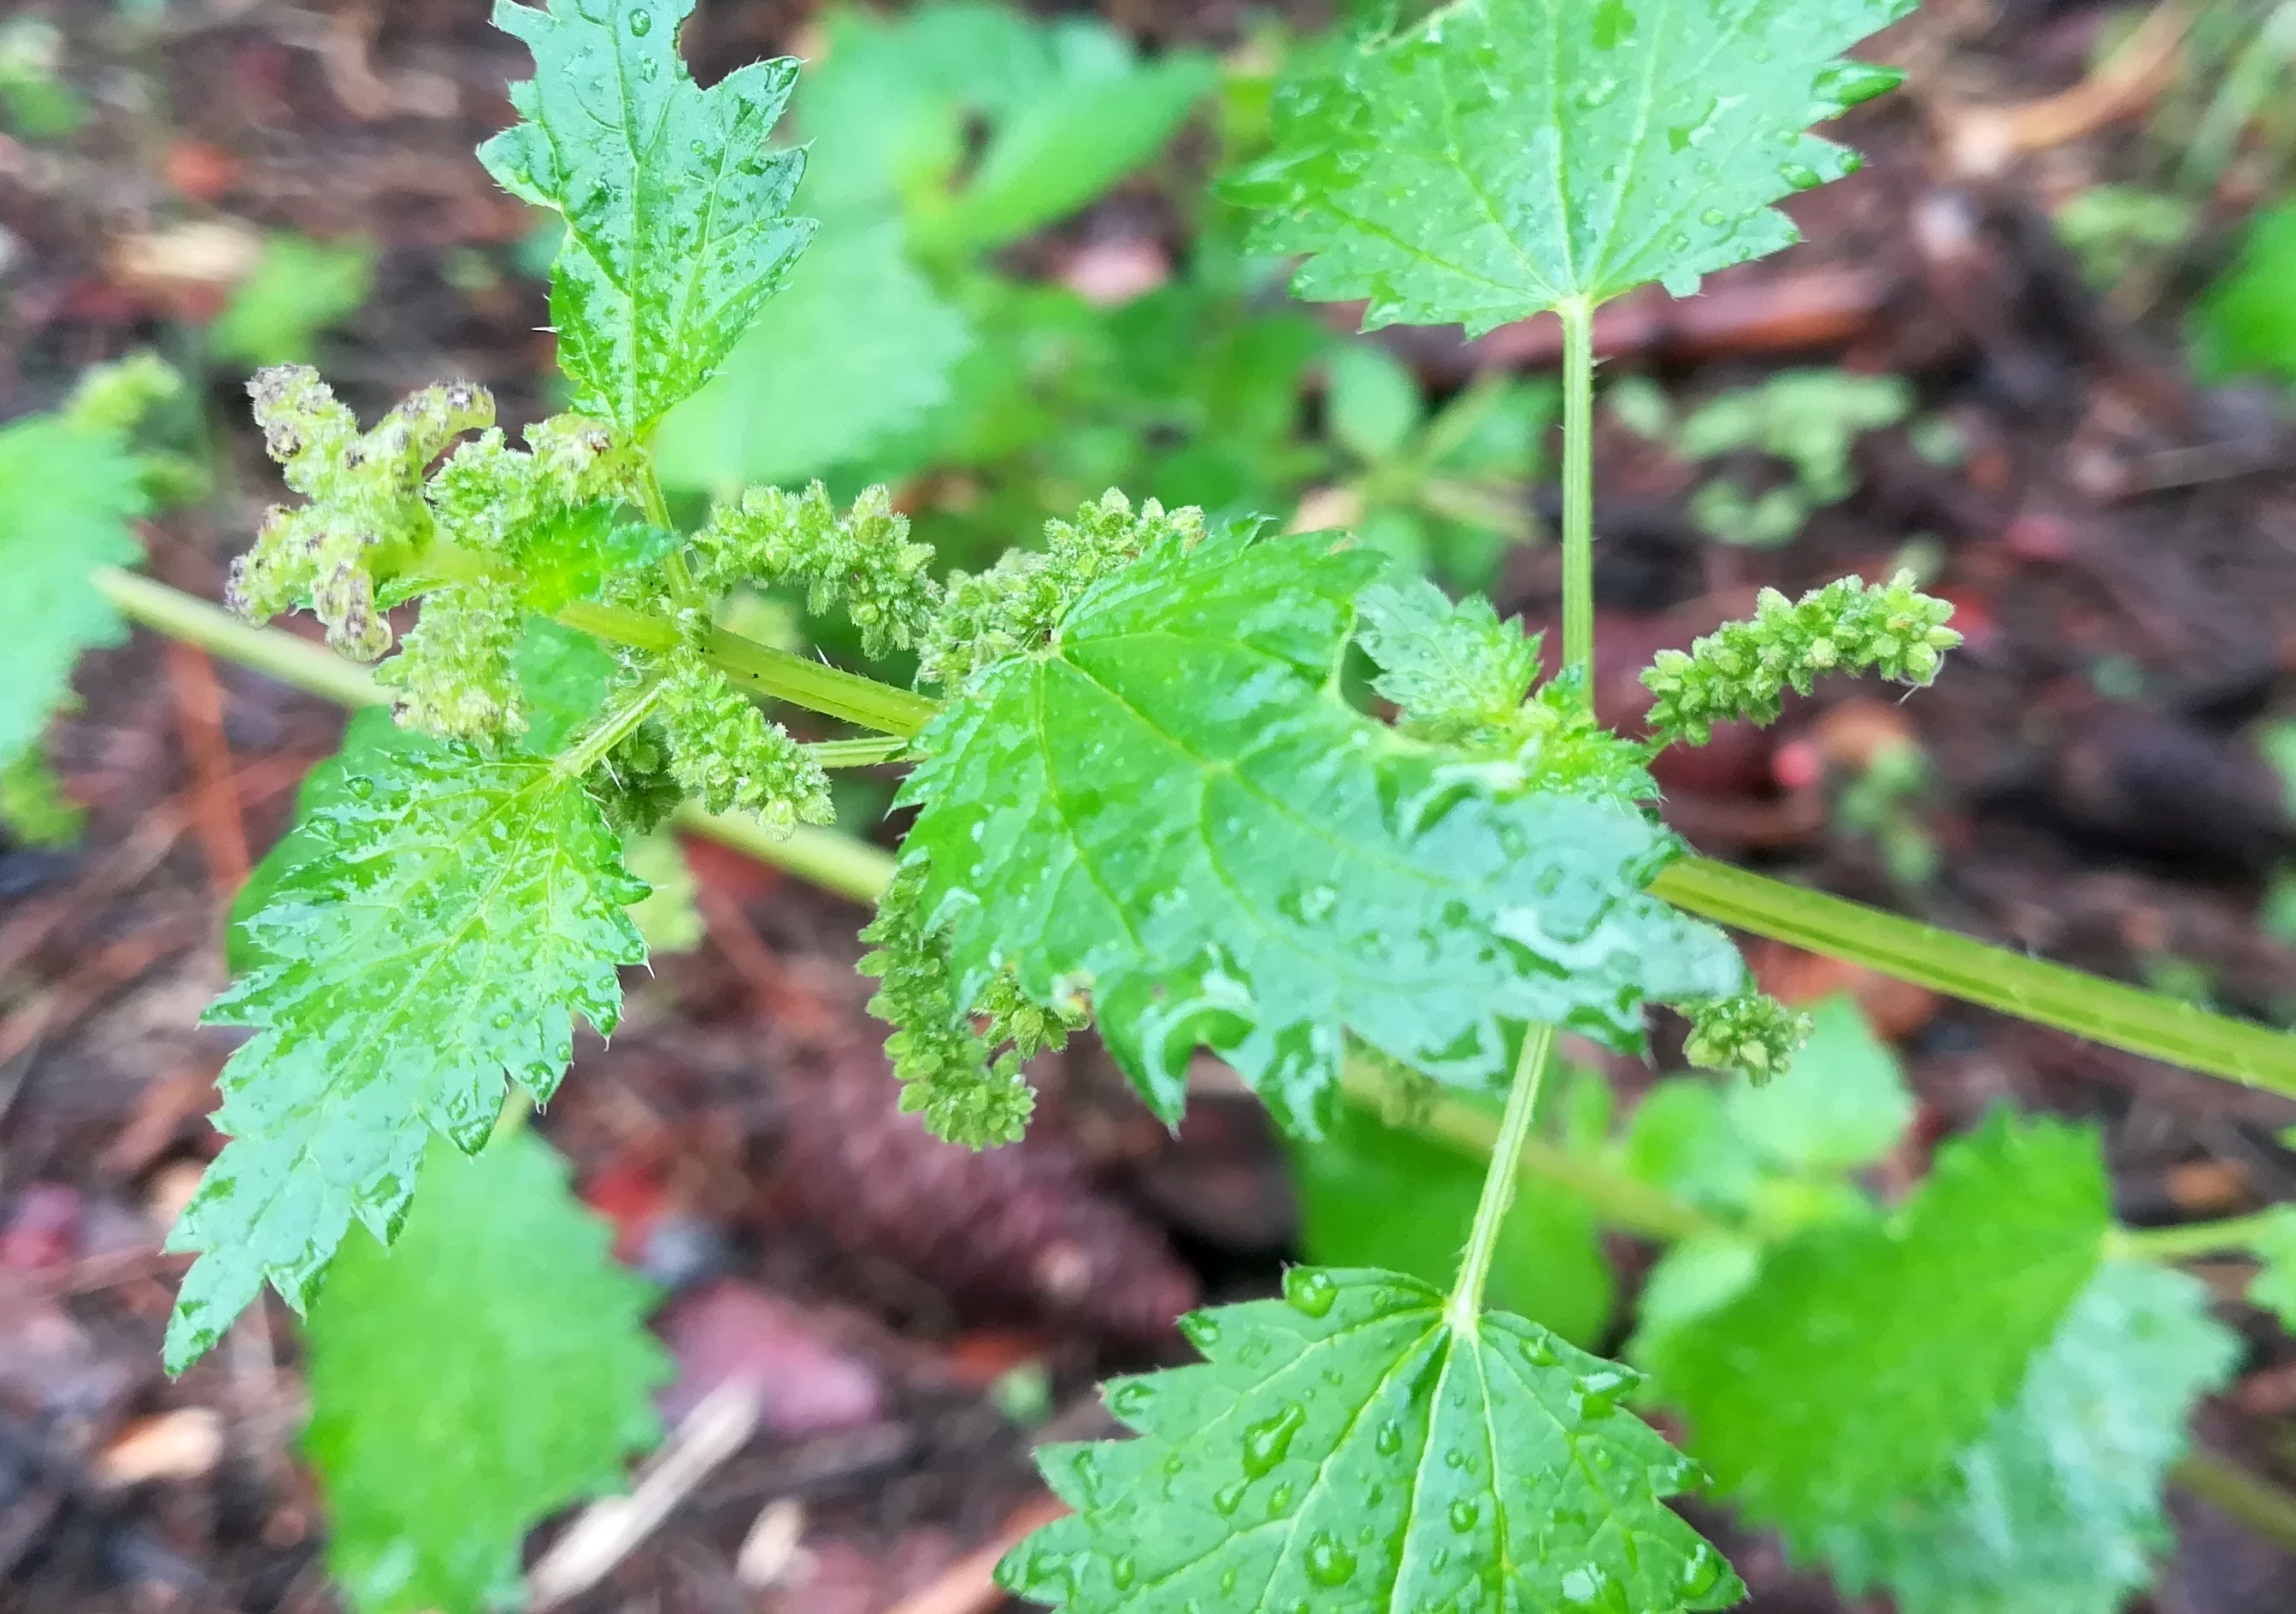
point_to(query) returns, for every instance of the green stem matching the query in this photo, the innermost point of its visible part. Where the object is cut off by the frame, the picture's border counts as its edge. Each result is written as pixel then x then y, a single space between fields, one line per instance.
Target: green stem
pixel 282 655
pixel 813 685
pixel 1577 315
pixel 2230 1236
pixel 2149 1023
pixel 1622 1202
pixel 608 732
pixel 1464 1313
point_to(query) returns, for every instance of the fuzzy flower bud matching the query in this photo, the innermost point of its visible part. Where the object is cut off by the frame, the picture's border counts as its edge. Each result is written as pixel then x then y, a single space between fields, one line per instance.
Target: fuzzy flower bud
pixel 731 756
pixel 1751 1033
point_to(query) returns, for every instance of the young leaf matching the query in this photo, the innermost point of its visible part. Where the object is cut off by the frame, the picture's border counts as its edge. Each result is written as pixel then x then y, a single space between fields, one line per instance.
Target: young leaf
pixel 1867 1356
pixel 452 915
pixel 677 226
pixel 66 498
pixel 1170 802
pixel 489 1368
pixel 1504 157
pixel 2057 1506
pixel 1348 1447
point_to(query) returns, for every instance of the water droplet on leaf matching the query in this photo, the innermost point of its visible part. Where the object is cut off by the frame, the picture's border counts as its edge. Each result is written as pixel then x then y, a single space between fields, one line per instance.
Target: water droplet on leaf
pixel 1310 1291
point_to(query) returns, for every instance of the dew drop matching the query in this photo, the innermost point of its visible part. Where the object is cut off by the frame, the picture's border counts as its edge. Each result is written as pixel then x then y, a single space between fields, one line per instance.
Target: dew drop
pixel 1702 1571
pixel 1465 1515
pixel 1847 83
pixel 1599 1391
pixel 1389 1439
pixel 1266 1442
pixel 1800 176
pixel 1202 1329
pixel 1228 1498
pixel 1310 1291
pixel 641 24
pixel 1714 219
pixel 1329 1561
pixel 1598 93
pixel 1122 1572
pixel 1538 1350
pixel 360 788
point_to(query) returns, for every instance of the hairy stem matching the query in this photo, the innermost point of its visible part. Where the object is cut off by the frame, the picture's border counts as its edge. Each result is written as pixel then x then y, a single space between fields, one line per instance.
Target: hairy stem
pixel 299 662
pixel 1578 317
pixel 1465 1310
pixel 1621 1201
pixel 609 732
pixel 2108 1012
pixel 813 685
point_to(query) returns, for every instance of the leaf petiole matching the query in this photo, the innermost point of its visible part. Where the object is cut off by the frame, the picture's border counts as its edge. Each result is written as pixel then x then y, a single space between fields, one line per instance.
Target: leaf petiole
pixel 1578 317
pixel 1464 1310
pixel 609 732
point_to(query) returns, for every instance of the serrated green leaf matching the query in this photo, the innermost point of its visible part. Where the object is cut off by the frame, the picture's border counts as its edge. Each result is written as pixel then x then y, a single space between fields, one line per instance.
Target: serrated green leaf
pixel 1171 804
pixel 1841 1102
pixel 1380 1196
pixel 1349 1449
pixel 858 349
pixel 369 737
pixel 487 1370
pixel 453 914
pixel 572 555
pixel 1866 1356
pixel 66 499
pixel 2274 1287
pixel 2056 1508
pixel 1503 157
pixel 677 226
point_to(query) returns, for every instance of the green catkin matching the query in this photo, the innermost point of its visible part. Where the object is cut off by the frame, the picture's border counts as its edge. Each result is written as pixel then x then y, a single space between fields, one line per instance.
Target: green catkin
pixel 862 560
pixel 1014 607
pixel 1752 1035
pixel 948 1077
pixel 1741 669
pixel 731 756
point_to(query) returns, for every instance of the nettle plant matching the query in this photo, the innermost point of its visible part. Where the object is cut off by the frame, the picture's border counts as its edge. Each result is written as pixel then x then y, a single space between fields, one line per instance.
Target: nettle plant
pixel 1150 797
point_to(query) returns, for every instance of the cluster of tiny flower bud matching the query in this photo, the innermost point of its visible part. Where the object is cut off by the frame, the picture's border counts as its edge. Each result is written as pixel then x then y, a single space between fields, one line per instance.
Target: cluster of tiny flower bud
pixel 454 673
pixel 952 1070
pixel 1740 670
pixel 492 498
pixel 1751 1033
pixel 1012 608
pixel 729 754
pixel 364 513
pixel 862 559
